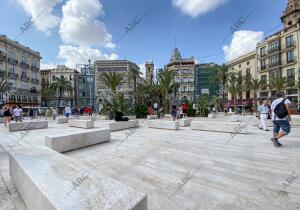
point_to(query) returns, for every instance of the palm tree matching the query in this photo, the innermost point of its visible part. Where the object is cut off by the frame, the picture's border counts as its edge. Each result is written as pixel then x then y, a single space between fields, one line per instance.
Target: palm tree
pixel 112 80
pixel 166 79
pixel 277 83
pixel 5 86
pixel 221 77
pixel 254 85
pixel 233 89
pixel 60 86
pixel 47 95
pixel 134 74
pixel 298 88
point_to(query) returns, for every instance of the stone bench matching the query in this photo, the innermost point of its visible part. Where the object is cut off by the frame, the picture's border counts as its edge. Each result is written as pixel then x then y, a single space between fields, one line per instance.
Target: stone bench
pixel 116 126
pixel 234 118
pixel 71 140
pixel 164 124
pixel 184 122
pixel 28 125
pixel 93 118
pixel 48 180
pixel 295 121
pixel 131 117
pixel 81 123
pixel 226 127
pixel 168 116
pixel 62 120
pixel 151 117
pixel 211 116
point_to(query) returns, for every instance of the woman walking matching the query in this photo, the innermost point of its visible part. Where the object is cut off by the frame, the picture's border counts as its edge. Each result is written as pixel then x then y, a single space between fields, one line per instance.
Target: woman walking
pixel 7 115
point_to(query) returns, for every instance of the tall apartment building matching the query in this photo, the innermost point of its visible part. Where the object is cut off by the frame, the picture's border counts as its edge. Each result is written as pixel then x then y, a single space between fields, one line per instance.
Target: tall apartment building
pixel 185 74
pixel 49 75
pixel 20 66
pixel 203 83
pixel 131 79
pixel 278 55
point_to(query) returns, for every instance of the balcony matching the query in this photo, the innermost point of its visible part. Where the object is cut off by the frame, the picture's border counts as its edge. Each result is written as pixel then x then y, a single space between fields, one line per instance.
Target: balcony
pixel 22 91
pixel 2 56
pixel 35 81
pixel 292 60
pixel 272 50
pixel 262 68
pixel 34 68
pixel 13 61
pixel 275 64
pixel 13 76
pixel 34 91
pixel 291 44
pixel 25 79
pixel 24 65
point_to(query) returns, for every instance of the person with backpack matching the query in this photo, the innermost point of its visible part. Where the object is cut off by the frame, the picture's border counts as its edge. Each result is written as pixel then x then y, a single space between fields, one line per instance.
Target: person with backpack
pixel 263 113
pixel 280 117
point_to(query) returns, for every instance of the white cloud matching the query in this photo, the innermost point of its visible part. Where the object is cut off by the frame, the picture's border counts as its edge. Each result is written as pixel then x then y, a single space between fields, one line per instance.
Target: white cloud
pixel 80 26
pixel 41 13
pixel 195 8
pixel 143 70
pixel 48 65
pixel 243 42
pixel 80 55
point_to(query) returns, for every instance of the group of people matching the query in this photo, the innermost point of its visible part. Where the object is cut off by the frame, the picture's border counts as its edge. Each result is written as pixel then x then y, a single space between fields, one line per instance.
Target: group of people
pixel 279 112
pixel 10 112
pixel 179 112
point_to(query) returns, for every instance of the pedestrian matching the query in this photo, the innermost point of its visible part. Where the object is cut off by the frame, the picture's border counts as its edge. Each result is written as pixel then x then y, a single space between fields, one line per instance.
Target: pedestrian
pixel 18 114
pixel 6 114
pixel 48 114
pixel 174 112
pixel 54 113
pixel 68 111
pixel 184 109
pixel 31 115
pixel 263 113
pixel 90 111
pixel 155 106
pixel 280 117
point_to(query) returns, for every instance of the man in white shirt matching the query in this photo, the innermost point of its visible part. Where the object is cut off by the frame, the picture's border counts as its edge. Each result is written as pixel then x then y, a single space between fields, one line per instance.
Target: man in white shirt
pixel 18 114
pixel 155 106
pixel 68 111
pixel 282 126
pixel 263 113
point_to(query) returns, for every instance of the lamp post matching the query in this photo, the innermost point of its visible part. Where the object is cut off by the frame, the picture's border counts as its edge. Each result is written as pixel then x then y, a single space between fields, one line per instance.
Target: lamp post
pixel 90 83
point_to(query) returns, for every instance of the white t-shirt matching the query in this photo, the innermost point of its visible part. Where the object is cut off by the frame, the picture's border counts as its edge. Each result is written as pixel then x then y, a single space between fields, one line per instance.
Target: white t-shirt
pixel 17 112
pixel 274 104
pixel 68 110
pixel 155 105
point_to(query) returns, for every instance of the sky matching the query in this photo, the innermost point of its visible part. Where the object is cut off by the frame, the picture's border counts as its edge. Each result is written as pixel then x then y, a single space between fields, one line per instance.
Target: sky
pixel 72 31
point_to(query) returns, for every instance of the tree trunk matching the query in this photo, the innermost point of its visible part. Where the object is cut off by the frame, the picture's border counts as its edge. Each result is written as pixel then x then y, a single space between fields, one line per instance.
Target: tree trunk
pixel 59 98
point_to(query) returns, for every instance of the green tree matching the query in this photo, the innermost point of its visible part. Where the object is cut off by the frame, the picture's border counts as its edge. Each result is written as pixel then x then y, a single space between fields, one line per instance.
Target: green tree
pixel 277 83
pixel 254 85
pixel 166 79
pixel 112 80
pixel 60 86
pixel 298 88
pixel 47 95
pixel 5 86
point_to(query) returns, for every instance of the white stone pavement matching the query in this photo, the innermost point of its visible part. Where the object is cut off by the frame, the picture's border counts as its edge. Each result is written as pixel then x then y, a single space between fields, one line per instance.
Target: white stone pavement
pixel 184 169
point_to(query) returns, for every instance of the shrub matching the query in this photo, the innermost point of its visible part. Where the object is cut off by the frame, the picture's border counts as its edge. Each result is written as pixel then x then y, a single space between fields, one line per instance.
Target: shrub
pixel 141 111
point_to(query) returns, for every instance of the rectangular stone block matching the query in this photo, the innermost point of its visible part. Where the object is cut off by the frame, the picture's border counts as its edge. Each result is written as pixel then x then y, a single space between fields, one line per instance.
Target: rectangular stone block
pixel 164 124
pixel 62 120
pixel 47 180
pixel 168 116
pixel 234 118
pixel 226 127
pixel 151 117
pixel 184 122
pixel 93 118
pixel 67 141
pixel 28 125
pixel 116 126
pixel 211 116
pixel 131 117
pixel 295 120
pixel 81 123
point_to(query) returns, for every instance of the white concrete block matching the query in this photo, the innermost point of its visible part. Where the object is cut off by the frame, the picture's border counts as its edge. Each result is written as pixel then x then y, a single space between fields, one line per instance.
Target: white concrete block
pixel 81 123
pixel 115 126
pixel 226 127
pixel 164 124
pixel 62 142
pixel 234 118
pixel 211 115
pixel 151 117
pixel 184 122
pixel 47 180
pixel 93 118
pixel 28 125
pixel 131 117
pixel 168 116
pixel 62 120
pixel 295 120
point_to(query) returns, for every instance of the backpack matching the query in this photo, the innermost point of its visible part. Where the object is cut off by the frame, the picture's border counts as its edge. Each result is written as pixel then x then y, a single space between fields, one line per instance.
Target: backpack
pixel 281 110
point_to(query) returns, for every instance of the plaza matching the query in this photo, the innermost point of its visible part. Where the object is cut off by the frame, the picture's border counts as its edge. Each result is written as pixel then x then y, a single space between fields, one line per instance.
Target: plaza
pixel 179 169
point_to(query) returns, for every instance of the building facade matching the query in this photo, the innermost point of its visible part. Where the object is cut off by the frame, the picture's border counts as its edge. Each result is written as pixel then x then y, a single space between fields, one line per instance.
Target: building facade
pixel 61 71
pixel 20 66
pixel 149 67
pixel 131 79
pixel 185 75
pixel 203 77
pixel 278 56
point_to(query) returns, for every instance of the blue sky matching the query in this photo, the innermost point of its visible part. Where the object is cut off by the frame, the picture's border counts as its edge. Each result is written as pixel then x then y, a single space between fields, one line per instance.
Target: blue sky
pixel 71 31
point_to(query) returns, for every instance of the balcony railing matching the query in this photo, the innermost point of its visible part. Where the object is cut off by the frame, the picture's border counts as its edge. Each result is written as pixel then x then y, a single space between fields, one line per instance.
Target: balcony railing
pixel 34 68
pixel 25 79
pixel 34 81
pixel 33 91
pixel 291 44
pixel 2 56
pixel 22 91
pixel 262 68
pixel 13 75
pixel 275 64
pixel 292 60
pixel 273 50
pixel 13 61
pixel 24 65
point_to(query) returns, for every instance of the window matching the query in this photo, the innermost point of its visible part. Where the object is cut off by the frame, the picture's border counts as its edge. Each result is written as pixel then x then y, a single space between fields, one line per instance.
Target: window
pixel 34 75
pixel 263 51
pixel 289 41
pixel 290 56
pixel 263 64
pixel 24 59
pixel 11 69
pixel 263 79
pixel 53 77
pixel 11 55
pixel 248 74
pixel 240 66
pixel 33 63
pixel 274 60
pixel 23 74
pixel 291 77
pixel 248 63
pixel 1 67
pixel 274 46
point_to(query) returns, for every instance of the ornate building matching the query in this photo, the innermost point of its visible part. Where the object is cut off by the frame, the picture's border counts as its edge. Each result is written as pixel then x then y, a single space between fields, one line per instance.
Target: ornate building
pixel 149 66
